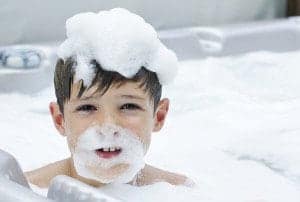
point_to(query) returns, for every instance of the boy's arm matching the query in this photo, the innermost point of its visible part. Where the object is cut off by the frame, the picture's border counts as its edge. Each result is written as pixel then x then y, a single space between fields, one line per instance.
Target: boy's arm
pixel 150 175
pixel 42 176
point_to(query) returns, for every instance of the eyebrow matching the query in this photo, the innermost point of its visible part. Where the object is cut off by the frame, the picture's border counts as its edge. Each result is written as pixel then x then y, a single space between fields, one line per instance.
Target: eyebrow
pixel 128 96
pixel 132 97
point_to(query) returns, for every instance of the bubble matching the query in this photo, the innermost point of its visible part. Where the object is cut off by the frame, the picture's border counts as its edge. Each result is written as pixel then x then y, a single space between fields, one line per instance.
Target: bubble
pixel 118 169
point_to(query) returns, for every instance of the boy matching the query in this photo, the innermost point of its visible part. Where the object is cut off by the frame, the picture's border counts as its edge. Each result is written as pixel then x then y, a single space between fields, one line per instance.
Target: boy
pixel 108 84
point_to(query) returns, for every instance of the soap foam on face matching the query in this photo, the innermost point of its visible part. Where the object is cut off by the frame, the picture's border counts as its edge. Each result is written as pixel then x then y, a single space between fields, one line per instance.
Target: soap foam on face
pixel 97 137
pixel 119 41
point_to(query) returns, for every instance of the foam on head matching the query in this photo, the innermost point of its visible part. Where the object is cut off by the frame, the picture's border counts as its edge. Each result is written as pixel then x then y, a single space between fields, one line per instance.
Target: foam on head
pixel 120 41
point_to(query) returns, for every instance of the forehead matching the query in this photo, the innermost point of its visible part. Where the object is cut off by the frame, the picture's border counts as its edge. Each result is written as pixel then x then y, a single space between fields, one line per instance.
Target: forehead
pixel 126 88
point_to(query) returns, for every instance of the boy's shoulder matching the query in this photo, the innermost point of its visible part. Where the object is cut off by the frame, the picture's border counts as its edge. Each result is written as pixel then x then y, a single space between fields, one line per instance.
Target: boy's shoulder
pixel 150 175
pixel 42 176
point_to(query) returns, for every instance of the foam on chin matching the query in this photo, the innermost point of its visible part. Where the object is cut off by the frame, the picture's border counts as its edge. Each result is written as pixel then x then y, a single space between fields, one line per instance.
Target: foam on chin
pixel 120 169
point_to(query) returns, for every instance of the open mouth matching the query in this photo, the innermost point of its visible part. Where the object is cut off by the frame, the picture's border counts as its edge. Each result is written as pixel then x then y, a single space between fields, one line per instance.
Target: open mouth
pixel 108 152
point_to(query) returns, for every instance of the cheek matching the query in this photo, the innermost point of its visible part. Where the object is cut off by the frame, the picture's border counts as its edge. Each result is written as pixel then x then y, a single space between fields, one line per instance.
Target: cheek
pixel 72 137
pixel 142 126
pixel 74 128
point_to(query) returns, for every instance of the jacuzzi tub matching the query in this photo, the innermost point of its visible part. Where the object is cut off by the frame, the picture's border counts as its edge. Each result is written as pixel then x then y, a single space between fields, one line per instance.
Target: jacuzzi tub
pixel 16 75
pixel 198 42
pixel 190 44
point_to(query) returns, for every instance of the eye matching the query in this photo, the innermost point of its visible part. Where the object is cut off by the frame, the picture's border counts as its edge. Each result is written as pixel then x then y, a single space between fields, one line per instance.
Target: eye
pixel 86 108
pixel 130 106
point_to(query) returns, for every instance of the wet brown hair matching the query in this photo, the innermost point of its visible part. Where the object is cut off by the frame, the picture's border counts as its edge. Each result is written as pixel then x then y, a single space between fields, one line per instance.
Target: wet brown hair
pixel 64 77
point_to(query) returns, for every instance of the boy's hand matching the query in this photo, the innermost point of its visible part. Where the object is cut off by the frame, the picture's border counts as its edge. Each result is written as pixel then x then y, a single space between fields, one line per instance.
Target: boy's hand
pixel 67 189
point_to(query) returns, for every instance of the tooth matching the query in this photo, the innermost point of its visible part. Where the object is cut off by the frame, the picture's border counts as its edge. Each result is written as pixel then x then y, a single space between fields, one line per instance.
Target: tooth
pixel 118 148
pixel 106 149
pixel 112 149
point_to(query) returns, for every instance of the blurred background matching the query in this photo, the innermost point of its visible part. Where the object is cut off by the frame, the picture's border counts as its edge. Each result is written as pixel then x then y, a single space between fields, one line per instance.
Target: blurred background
pixel 35 21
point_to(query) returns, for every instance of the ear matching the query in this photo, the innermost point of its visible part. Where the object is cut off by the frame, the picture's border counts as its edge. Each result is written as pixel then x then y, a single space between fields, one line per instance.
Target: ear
pixel 161 114
pixel 57 117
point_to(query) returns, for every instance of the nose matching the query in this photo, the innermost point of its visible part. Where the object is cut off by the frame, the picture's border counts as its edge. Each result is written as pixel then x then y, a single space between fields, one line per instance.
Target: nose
pixel 110 119
pixel 106 116
pixel 112 131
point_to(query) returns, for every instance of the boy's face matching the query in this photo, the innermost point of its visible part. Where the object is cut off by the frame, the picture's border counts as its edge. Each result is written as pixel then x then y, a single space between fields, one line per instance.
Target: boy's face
pixel 127 106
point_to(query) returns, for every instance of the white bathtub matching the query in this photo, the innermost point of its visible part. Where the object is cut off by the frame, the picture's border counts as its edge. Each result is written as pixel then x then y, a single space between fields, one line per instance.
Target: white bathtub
pixel 29 80
pixel 198 42
pixel 193 44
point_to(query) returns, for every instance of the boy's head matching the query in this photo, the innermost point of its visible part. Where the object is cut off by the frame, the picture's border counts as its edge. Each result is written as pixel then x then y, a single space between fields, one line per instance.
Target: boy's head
pixel 111 100
pixel 108 109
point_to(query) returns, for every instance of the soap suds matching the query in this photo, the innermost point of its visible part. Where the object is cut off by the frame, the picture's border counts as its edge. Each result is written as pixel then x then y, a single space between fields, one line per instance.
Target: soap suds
pixel 119 41
pixel 86 161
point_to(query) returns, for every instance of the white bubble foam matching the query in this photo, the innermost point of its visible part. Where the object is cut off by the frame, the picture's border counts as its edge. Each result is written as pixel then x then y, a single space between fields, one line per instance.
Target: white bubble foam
pixel 120 41
pixel 97 137
pixel 84 70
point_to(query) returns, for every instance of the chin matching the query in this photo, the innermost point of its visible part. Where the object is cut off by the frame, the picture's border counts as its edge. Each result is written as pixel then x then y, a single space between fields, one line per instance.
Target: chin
pixel 106 170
